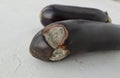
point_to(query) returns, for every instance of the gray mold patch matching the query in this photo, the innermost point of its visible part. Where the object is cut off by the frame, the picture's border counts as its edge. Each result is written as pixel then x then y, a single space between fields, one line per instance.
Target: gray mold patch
pixel 55 37
pixel 59 54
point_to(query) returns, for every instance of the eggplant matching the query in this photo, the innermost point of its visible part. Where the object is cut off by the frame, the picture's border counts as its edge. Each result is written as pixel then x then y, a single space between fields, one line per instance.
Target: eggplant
pixel 60 39
pixel 54 13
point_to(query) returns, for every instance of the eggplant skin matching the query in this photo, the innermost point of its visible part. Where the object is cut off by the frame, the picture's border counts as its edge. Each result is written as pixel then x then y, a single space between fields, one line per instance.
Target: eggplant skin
pixel 53 13
pixel 84 35
pixel 39 48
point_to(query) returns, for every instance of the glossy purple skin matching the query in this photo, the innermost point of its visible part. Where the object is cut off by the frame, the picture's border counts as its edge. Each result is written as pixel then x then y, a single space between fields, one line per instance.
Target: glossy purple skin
pixel 83 35
pixel 39 48
pixel 54 13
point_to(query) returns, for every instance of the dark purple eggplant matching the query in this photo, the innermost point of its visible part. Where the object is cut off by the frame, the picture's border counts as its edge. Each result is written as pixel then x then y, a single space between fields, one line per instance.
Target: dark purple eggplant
pixel 62 38
pixel 54 13
pixel 39 47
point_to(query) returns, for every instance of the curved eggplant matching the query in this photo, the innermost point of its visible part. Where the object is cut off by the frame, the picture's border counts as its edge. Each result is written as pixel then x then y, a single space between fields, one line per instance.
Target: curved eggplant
pixel 54 13
pixel 71 36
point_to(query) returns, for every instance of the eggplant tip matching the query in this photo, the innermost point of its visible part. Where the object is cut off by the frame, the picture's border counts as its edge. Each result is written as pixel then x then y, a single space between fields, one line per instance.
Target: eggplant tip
pixel 48 44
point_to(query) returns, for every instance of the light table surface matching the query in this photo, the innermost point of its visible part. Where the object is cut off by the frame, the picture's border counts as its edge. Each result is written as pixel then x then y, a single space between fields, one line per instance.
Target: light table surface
pixel 19 22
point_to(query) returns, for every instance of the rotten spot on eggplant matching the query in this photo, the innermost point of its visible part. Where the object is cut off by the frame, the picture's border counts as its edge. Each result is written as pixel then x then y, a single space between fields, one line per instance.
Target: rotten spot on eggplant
pixel 55 36
pixel 59 54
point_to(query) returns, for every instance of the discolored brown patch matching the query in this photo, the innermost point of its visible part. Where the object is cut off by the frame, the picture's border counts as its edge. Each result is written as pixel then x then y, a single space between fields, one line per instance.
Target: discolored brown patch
pixel 55 34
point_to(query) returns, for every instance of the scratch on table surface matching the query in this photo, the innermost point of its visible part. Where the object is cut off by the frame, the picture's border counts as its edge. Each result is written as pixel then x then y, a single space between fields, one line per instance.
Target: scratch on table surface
pixel 31 75
pixel 19 64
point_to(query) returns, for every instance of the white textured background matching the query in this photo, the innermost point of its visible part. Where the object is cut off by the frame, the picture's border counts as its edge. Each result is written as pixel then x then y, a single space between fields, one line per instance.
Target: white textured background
pixel 19 22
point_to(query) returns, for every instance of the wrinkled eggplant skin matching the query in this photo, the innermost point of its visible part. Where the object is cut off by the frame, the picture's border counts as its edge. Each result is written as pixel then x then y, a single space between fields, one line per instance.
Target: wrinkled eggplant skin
pixel 53 13
pixel 91 35
pixel 39 48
